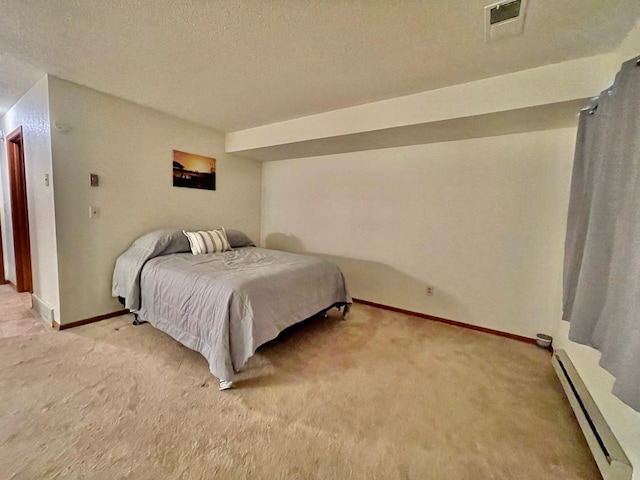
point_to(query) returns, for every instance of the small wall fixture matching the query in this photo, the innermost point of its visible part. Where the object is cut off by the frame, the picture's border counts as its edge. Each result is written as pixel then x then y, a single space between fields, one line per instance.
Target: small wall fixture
pixel 60 127
pixel 2 135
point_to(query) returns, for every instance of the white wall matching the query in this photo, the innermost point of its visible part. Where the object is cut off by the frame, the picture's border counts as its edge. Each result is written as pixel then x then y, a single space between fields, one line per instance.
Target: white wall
pixel 478 219
pixel 130 148
pixel 32 113
pixel 630 47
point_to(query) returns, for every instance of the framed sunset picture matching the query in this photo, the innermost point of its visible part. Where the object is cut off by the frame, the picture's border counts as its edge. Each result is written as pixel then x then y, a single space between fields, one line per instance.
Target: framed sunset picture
pixel 193 171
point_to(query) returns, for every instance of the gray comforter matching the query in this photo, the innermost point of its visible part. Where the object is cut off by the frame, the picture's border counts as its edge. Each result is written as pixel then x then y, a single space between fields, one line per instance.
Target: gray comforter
pixel 126 275
pixel 225 305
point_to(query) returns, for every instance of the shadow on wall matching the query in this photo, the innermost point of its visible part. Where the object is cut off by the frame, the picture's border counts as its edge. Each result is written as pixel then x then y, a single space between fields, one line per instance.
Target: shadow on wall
pixel 381 283
pixel 284 243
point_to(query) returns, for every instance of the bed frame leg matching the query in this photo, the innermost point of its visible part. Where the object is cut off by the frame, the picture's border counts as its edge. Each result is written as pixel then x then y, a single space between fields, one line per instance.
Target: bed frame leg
pixel 345 311
pixel 137 321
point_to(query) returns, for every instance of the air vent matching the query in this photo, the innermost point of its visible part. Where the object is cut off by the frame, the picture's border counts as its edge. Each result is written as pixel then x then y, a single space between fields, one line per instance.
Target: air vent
pixel 504 19
pixel 504 11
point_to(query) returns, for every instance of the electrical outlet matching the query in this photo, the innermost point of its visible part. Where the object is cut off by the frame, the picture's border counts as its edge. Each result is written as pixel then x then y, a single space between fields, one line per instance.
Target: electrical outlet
pixel 429 290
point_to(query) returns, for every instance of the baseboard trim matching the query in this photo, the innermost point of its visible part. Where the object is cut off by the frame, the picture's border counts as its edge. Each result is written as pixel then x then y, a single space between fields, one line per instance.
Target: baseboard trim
pixel 42 308
pixel 65 326
pixel 512 336
pixel 425 316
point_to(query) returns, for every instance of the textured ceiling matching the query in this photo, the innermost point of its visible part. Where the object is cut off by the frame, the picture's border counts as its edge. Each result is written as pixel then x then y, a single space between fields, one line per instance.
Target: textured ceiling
pixel 239 64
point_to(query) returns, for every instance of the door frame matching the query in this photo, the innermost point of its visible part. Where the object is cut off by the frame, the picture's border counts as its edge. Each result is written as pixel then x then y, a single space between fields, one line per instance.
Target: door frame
pixel 3 279
pixel 19 210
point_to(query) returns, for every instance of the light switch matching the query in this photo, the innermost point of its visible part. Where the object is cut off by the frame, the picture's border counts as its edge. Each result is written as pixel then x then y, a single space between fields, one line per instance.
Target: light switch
pixel 94 212
pixel 46 179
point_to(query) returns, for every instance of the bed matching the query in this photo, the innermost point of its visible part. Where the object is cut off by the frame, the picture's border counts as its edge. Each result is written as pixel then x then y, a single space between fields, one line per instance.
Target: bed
pixel 226 304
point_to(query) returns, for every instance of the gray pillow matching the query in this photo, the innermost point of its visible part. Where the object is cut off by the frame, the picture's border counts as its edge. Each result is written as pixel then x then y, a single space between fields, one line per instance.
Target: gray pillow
pixel 164 242
pixel 176 242
pixel 239 239
pixel 126 275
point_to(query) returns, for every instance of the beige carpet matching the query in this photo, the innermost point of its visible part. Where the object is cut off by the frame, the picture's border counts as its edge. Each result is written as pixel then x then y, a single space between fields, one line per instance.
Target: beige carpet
pixel 381 395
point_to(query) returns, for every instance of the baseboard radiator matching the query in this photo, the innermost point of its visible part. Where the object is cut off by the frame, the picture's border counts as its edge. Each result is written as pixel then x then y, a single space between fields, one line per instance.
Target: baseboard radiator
pixel 609 456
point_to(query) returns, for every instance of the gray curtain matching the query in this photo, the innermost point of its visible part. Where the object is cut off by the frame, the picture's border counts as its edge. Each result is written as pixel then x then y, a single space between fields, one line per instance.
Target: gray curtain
pixel 602 248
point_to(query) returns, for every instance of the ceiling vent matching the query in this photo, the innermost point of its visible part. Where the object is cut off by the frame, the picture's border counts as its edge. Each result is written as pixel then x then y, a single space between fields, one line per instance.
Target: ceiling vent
pixel 504 19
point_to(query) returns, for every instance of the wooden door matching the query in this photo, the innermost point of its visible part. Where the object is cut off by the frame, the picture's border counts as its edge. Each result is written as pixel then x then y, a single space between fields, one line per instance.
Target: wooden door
pixel 19 211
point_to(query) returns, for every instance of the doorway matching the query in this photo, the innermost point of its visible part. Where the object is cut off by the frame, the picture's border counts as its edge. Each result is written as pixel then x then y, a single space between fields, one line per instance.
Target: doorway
pixel 19 211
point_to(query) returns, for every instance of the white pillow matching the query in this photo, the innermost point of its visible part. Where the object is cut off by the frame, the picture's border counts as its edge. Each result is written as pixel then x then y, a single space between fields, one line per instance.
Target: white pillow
pixel 208 242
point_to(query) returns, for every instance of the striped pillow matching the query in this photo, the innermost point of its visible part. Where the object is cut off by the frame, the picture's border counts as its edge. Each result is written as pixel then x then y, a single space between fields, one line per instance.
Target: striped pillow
pixel 208 242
